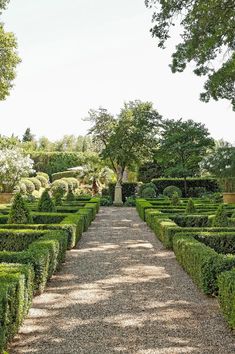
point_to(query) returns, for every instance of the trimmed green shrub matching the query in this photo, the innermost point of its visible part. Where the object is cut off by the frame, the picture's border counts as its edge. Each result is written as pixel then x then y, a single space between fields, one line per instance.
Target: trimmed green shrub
pixel 45 203
pixel 78 221
pixel 19 213
pixel 30 187
pixel 36 182
pixel 59 185
pixel 72 182
pixel 221 242
pixel 106 201
pixel 130 202
pixel 175 199
pixel 64 174
pixel 210 184
pixel 44 255
pixel 190 208
pixel 148 192
pixel 226 284
pixel 43 180
pixel 48 218
pixel 191 220
pixel 201 262
pixel 45 175
pixel 18 240
pixel 221 219
pixel 142 187
pixel 170 190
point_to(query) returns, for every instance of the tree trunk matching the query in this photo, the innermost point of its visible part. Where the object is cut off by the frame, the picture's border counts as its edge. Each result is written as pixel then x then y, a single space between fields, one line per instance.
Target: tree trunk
pixel 185 187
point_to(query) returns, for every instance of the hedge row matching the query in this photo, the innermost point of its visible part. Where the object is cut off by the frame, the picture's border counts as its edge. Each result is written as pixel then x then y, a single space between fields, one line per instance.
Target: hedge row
pixel 30 254
pixel 16 293
pixel 206 253
pixel 226 285
pixel 202 263
pixel 210 184
pixel 32 268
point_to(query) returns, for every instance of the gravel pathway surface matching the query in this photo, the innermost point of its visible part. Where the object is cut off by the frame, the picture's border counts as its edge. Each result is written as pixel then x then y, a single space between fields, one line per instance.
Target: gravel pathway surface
pixel 122 292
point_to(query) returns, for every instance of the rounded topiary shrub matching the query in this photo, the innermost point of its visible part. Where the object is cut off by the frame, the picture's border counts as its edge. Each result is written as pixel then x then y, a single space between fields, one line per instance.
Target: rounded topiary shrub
pixel 45 203
pixel 36 182
pixel 72 182
pixel 45 175
pixel 30 187
pixel 19 213
pixel 170 190
pixel 148 192
pixel 60 186
pixel 43 180
pixel 142 187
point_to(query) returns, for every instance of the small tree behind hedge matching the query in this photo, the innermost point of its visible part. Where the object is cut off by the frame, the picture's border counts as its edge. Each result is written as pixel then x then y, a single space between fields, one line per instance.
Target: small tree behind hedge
pixel 45 203
pixel 19 213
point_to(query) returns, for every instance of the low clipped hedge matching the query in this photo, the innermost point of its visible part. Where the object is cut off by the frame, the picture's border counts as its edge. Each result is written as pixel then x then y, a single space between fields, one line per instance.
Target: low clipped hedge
pixel 191 220
pixel 202 263
pixel 15 299
pixel 226 296
pixel 221 242
pixel 69 227
pixel 48 218
pixel 18 240
pixel 45 255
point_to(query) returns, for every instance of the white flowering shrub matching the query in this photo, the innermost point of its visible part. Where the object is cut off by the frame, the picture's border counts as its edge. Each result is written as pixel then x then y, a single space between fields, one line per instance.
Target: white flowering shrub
pixel 14 165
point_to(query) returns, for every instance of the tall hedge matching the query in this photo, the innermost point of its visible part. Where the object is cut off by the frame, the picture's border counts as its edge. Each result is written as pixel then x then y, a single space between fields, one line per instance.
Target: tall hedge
pixel 53 162
pixel 210 184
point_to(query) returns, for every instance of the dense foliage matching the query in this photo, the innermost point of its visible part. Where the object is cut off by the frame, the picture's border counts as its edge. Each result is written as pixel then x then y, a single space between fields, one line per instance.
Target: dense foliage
pixel 207 40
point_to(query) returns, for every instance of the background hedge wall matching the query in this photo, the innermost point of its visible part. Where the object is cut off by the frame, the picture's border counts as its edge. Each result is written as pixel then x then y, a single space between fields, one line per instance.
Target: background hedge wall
pixel 210 184
pixel 128 190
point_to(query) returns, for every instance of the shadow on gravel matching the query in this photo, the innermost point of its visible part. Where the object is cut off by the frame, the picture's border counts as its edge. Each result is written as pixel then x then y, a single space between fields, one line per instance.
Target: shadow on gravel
pixel 122 292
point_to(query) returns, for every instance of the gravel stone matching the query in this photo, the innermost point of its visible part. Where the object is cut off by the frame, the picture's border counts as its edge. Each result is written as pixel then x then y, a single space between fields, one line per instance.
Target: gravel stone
pixel 122 292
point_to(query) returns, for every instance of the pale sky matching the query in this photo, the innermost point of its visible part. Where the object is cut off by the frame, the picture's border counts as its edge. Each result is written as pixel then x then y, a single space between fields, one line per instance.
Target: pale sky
pixel 82 54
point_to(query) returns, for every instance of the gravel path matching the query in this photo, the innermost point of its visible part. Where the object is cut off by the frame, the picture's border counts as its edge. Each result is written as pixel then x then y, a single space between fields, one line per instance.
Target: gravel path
pixel 122 292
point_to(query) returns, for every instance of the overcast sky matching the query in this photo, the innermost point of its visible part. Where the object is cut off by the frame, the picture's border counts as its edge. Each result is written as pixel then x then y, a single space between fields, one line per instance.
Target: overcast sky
pixel 82 54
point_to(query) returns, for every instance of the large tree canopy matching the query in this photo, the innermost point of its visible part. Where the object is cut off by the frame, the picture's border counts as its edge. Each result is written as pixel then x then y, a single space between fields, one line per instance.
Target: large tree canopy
pixel 8 57
pixel 182 146
pixel 127 138
pixel 208 39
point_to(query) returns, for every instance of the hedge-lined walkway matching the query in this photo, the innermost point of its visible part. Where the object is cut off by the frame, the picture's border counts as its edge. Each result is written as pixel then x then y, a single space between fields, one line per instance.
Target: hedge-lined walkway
pixel 122 292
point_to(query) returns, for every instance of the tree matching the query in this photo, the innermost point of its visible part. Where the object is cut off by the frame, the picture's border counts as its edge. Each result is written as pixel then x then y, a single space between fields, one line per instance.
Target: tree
pixel 128 138
pixel 45 203
pixel 182 146
pixel 208 40
pixel 28 136
pixel 19 213
pixel 8 57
